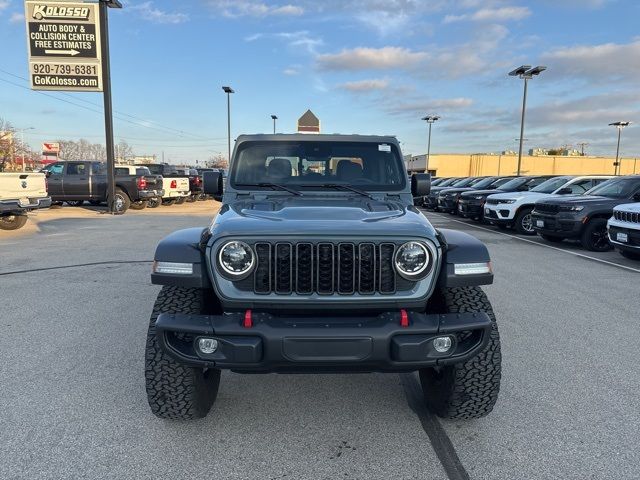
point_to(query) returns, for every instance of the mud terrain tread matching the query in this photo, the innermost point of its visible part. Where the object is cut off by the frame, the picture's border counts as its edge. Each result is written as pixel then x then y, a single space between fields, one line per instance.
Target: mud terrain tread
pixel 176 391
pixel 470 389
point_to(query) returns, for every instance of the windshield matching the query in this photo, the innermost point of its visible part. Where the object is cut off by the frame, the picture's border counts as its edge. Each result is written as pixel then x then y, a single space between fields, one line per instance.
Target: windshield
pixel 514 183
pixel 465 182
pixel 551 185
pixel 367 165
pixel 617 188
pixel 448 182
pixel 485 182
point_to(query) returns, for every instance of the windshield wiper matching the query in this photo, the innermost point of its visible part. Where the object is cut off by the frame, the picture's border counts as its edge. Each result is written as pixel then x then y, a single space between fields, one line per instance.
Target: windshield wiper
pixel 339 186
pixel 274 186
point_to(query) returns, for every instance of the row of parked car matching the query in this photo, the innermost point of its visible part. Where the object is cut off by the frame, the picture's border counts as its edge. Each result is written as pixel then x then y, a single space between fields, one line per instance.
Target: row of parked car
pixel 77 182
pixel 601 212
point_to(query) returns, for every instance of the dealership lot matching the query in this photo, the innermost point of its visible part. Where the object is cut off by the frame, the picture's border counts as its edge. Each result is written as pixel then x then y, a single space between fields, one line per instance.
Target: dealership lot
pixel 73 401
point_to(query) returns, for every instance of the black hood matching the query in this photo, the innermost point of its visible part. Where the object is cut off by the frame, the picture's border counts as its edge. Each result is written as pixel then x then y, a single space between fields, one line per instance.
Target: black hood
pixel 484 193
pixel 587 200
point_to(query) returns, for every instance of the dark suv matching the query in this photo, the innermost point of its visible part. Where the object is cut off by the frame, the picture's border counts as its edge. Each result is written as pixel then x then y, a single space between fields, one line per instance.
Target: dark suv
pixel 584 217
pixel 318 262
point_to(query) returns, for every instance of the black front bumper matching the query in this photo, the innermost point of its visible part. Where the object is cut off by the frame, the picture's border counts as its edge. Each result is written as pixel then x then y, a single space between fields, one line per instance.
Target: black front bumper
pixel 446 204
pixel 633 239
pixel 470 210
pixel 319 344
pixel 560 225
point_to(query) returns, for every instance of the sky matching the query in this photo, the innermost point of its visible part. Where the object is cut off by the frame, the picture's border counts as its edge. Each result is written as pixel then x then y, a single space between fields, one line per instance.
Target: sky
pixel 362 66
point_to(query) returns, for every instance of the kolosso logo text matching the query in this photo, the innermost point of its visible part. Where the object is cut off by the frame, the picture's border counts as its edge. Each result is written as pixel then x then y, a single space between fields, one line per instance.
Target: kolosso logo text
pixel 49 12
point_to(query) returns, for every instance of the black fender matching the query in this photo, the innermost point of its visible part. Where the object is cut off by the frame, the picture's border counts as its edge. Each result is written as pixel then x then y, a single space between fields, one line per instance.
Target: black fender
pixel 462 248
pixel 183 246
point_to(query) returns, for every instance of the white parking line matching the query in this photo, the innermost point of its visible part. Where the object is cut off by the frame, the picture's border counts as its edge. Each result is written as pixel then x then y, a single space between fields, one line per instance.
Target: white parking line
pixel 539 244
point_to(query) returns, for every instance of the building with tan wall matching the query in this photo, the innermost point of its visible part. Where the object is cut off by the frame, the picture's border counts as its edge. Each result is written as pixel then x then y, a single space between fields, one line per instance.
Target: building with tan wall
pixel 463 165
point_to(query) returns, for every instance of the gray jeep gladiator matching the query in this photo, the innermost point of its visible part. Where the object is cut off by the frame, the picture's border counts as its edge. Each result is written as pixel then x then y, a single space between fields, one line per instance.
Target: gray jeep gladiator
pixel 318 262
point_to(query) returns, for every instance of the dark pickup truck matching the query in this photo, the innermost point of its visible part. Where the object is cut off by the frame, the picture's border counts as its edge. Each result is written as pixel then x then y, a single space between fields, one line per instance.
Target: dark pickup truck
pixel 584 217
pixel 195 184
pixel 79 181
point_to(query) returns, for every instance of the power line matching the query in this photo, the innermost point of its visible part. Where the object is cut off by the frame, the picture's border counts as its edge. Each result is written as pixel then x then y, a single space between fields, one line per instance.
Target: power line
pixel 160 127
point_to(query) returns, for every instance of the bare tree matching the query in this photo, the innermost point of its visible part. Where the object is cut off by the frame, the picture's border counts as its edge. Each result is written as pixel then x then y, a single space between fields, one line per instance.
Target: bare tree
pixel 218 161
pixel 124 152
pixel 7 143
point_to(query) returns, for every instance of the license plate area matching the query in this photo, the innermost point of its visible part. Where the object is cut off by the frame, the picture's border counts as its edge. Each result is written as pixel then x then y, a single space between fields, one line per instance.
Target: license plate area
pixel 540 223
pixel 622 237
pixel 314 349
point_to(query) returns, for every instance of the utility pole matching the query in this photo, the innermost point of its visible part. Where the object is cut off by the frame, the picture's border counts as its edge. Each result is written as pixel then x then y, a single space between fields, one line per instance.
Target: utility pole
pixel 582 145
pixel 274 118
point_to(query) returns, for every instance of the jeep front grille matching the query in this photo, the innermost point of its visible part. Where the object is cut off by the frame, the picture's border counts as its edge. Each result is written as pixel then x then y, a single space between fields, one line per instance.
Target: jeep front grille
pixel 547 208
pixel 631 217
pixel 324 268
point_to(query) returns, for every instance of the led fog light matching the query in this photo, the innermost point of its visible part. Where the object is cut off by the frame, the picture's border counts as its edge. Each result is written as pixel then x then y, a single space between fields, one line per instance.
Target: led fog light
pixel 207 345
pixel 442 344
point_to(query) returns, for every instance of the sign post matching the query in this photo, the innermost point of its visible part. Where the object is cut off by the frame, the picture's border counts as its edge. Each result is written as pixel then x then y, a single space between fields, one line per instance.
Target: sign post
pixel 69 51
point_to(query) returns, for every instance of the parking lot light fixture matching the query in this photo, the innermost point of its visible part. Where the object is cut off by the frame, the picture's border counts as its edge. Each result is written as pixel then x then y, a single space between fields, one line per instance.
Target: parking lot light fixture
pixel 526 73
pixel 430 119
pixel 228 91
pixel 620 126
pixel 274 118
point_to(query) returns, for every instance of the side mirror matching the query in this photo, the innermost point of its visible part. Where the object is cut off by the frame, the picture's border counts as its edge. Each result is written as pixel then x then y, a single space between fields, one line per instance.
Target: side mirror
pixel 420 184
pixel 523 188
pixel 565 191
pixel 212 184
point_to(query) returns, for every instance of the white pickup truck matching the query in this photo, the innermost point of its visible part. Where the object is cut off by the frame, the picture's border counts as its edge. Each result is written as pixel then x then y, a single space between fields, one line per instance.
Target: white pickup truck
pixel 624 230
pixel 21 192
pixel 513 209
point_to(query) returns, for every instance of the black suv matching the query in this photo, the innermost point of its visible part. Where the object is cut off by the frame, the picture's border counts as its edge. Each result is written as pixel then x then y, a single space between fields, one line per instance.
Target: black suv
pixel 471 204
pixel 431 200
pixel 318 262
pixel 584 217
pixel 449 197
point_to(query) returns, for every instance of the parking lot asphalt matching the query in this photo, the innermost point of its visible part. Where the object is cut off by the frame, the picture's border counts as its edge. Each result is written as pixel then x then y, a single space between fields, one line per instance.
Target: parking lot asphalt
pixel 73 405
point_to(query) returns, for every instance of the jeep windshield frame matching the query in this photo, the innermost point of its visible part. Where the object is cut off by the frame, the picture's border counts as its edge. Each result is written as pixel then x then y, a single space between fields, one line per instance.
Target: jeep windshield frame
pixel 312 165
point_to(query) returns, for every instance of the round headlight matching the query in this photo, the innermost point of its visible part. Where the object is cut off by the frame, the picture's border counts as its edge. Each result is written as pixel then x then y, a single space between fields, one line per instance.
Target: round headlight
pixel 236 258
pixel 412 259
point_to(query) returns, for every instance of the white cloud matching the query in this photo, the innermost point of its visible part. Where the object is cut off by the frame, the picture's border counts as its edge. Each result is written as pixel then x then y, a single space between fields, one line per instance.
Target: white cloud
pixel 363 86
pixel 16 17
pixel 370 59
pixel 501 14
pixel 4 4
pixel 599 63
pixel 148 12
pixel 291 71
pixel 301 40
pixel 253 8
pixel 420 107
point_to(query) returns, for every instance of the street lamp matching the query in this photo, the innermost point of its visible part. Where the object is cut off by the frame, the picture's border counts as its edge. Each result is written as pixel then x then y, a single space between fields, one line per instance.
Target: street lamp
pixel 526 73
pixel 228 91
pixel 619 126
pixel 274 118
pixel 430 119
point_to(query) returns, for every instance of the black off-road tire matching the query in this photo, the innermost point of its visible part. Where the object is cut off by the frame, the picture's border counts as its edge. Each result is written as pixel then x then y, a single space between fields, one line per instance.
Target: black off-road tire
pixel 75 203
pixel 139 205
pixel 176 391
pixel 630 255
pixel 523 223
pixel 181 200
pixel 121 203
pixel 469 389
pixel 594 237
pixel 12 222
pixel 168 202
pixel 552 238
pixel 191 198
pixel 154 202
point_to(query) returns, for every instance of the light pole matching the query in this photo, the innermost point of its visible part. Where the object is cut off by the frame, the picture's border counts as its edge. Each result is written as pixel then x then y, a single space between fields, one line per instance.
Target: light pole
pixel 430 119
pixel 274 118
pixel 228 91
pixel 619 126
pixel 526 73
pixel 22 130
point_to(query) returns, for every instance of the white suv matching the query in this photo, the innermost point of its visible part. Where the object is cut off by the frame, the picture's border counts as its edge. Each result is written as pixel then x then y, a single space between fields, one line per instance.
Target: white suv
pixel 513 209
pixel 624 230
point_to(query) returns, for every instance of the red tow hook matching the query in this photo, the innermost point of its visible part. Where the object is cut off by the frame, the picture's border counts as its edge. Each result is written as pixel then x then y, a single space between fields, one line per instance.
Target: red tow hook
pixel 404 318
pixel 248 321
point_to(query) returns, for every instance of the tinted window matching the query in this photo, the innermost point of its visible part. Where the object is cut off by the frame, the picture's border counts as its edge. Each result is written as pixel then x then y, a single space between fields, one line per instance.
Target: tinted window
pixel 122 171
pixel 514 183
pixel 483 183
pixel 142 171
pixel 581 187
pixel 155 169
pixel 367 165
pixel 76 169
pixel 617 188
pixel 465 182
